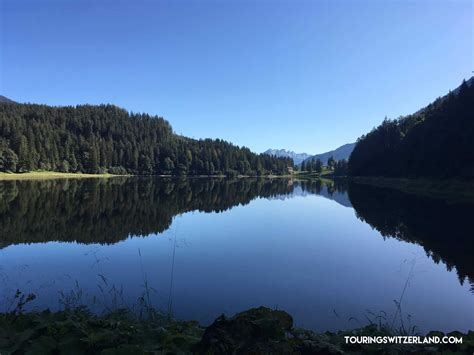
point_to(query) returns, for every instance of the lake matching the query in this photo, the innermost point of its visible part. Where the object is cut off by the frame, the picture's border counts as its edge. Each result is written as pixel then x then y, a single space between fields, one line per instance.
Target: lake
pixel 332 254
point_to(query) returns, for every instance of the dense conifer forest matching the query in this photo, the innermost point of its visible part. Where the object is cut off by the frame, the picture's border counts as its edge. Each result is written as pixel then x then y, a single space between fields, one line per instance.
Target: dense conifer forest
pixel 435 142
pixel 108 139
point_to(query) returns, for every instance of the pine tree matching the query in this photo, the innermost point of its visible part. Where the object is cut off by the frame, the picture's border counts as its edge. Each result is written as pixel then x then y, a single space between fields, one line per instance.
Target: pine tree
pixel 318 166
pixel 331 163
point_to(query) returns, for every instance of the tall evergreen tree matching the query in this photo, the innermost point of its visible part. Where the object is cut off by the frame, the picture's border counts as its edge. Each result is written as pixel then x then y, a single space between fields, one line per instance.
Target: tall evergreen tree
pixel 318 166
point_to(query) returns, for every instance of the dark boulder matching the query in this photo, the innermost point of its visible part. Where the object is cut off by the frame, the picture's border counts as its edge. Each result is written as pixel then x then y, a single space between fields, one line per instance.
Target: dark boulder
pixel 257 331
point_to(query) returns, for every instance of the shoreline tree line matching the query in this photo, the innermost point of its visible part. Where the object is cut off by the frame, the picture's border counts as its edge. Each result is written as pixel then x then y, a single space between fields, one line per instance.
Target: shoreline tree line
pixel 108 139
pixel 337 167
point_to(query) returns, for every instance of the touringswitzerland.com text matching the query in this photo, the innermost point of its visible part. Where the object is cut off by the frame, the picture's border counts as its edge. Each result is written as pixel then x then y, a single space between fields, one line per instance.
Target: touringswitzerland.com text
pixel 401 339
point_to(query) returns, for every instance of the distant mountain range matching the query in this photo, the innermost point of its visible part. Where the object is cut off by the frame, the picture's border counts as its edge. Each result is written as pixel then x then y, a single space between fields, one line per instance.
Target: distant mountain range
pixel 283 153
pixel 343 152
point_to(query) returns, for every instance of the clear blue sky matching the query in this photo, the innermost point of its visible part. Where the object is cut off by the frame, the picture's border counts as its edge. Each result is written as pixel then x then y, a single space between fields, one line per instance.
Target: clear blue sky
pixel 303 75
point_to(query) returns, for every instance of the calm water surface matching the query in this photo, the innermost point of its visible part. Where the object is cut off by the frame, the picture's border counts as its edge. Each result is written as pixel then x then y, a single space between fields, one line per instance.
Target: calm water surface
pixel 323 252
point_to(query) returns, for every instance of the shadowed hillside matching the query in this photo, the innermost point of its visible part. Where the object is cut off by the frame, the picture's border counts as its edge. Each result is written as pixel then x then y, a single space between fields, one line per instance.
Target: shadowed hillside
pixel 435 142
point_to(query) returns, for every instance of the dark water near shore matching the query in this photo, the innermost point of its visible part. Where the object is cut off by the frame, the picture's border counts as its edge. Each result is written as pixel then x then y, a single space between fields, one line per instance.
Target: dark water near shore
pixel 322 252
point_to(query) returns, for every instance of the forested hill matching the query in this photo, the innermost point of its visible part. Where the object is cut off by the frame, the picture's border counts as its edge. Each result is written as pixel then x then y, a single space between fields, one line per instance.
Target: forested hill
pixel 105 138
pixel 435 142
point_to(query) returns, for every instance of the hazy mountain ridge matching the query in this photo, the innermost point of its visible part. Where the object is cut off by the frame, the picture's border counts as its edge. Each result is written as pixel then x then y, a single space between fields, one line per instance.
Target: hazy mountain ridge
pixel 6 100
pixel 342 152
pixel 283 153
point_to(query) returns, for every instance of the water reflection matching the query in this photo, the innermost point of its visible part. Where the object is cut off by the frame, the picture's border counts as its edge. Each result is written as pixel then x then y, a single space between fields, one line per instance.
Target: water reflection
pixel 110 210
pixel 443 228
pixel 289 238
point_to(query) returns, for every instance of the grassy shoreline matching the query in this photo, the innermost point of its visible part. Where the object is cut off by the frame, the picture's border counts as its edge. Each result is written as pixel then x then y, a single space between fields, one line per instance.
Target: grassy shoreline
pixel 449 189
pixel 441 189
pixel 258 331
pixel 40 175
pixel 325 173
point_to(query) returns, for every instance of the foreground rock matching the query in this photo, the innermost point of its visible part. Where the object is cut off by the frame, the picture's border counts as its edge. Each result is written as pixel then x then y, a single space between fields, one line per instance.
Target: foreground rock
pixel 259 331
